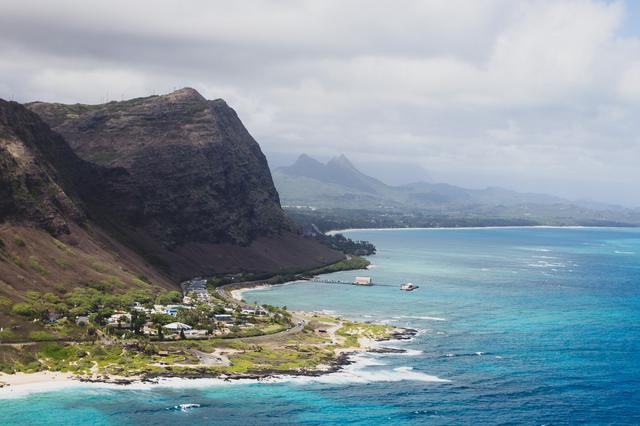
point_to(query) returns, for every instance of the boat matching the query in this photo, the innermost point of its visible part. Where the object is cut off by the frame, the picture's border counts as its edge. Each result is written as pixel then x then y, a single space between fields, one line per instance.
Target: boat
pixel 408 287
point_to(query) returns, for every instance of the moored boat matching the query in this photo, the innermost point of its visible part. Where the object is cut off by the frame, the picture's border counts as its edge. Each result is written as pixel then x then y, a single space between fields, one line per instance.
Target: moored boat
pixel 408 287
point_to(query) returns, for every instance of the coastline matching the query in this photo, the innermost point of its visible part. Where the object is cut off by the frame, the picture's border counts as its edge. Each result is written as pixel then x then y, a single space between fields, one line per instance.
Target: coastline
pixel 346 368
pixel 44 381
pixel 240 288
pixel 466 228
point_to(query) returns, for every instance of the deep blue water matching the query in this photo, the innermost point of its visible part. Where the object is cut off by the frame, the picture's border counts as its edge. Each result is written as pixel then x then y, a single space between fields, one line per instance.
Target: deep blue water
pixel 529 326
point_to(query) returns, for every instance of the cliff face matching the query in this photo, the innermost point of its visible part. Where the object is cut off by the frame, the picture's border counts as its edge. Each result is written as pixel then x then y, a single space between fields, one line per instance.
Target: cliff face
pixel 34 186
pixel 179 180
pixel 185 192
pixel 47 241
pixel 196 174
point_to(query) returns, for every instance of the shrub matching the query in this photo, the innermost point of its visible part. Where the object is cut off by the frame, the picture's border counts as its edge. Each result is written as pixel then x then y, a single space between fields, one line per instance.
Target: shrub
pixel 169 297
pixel 24 309
pixel 100 267
pixel 2 245
pixel 101 286
pixel 41 336
pixel 114 281
pixel 19 242
pixel 6 335
pixel 5 301
pixel 34 262
pixel 60 288
pixel 55 351
pixel 63 263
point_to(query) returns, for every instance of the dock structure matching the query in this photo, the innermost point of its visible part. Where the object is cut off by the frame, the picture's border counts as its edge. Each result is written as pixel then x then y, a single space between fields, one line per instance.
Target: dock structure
pixel 327 281
pixel 363 281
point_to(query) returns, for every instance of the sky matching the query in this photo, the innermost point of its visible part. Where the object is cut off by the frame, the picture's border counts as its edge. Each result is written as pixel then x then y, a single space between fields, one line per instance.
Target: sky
pixel 536 95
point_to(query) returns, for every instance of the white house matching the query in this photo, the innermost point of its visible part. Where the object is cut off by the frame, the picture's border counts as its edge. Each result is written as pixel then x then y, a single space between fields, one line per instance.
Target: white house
pixel 363 281
pixel 119 320
pixel 176 326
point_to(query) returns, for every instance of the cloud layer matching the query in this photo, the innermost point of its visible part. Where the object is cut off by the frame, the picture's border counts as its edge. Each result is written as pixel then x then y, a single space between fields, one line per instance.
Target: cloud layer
pixel 534 95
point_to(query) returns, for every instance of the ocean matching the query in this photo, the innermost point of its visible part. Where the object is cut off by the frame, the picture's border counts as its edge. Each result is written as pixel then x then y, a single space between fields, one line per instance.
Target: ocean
pixel 516 326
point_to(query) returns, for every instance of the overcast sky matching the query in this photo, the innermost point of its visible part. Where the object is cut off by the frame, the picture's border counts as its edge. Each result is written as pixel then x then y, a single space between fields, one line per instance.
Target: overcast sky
pixel 531 95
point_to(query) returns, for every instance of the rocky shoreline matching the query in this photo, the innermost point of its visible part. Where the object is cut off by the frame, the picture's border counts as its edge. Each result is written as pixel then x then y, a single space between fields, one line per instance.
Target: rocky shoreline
pixel 342 360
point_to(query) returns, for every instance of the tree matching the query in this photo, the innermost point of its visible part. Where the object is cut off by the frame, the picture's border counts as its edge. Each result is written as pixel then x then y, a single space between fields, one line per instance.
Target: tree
pixel 169 297
pixel 24 309
pixel 138 320
pixel 159 320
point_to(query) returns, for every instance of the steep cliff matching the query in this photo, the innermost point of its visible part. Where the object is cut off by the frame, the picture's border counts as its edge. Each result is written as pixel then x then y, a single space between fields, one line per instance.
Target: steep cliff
pixel 197 175
pixel 47 241
pixel 180 180
pixel 32 188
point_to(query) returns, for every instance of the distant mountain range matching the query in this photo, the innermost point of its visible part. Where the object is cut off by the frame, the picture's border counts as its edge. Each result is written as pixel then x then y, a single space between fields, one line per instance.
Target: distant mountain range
pixel 338 184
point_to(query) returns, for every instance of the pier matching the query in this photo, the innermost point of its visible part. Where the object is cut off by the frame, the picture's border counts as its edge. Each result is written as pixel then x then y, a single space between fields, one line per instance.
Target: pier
pixel 326 281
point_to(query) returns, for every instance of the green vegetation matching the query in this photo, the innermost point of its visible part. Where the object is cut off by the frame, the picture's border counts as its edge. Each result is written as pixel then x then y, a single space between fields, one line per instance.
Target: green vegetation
pixel 346 245
pixel 372 331
pixel 2 244
pixel 303 351
pixel 354 262
pixel 34 263
pixel 62 246
pixel 41 336
pixel 63 263
pixel 24 309
pixel 100 267
pixel 19 242
pixel 169 297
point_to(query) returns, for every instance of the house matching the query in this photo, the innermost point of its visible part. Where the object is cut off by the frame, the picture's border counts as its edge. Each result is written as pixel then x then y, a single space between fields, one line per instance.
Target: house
pixel 259 312
pixel 363 281
pixel 138 307
pixel 53 316
pixel 169 309
pixel 223 317
pixel 176 327
pixel 195 333
pixel 149 329
pixel 82 320
pixel 119 320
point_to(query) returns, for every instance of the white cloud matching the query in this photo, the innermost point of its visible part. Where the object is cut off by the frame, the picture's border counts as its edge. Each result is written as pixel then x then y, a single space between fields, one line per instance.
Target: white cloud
pixel 488 89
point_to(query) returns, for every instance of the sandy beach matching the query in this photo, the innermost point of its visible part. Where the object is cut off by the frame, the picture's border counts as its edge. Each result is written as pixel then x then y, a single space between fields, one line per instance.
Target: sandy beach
pixel 43 381
pixel 237 293
pixel 18 379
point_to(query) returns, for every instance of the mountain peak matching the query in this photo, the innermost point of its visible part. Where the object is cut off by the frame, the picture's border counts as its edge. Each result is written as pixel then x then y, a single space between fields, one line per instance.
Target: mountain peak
pixel 185 94
pixel 341 161
pixel 339 171
pixel 305 159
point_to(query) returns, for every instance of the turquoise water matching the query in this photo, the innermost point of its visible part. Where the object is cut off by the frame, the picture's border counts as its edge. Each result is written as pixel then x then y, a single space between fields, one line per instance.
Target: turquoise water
pixel 527 326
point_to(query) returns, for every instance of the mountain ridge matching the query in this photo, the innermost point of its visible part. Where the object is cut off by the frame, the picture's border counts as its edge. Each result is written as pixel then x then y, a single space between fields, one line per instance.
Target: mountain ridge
pixel 349 188
pixel 158 215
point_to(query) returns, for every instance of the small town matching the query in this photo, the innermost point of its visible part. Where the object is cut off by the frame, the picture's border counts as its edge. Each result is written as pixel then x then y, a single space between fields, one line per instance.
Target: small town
pixel 197 313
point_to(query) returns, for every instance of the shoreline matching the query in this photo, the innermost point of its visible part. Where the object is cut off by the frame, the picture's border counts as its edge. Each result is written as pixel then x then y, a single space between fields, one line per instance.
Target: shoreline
pixel 23 384
pixel 45 381
pixel 237 292
pixel 466 228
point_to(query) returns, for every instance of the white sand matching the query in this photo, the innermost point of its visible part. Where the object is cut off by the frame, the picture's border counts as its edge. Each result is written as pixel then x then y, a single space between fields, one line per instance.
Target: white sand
pixel 18 379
